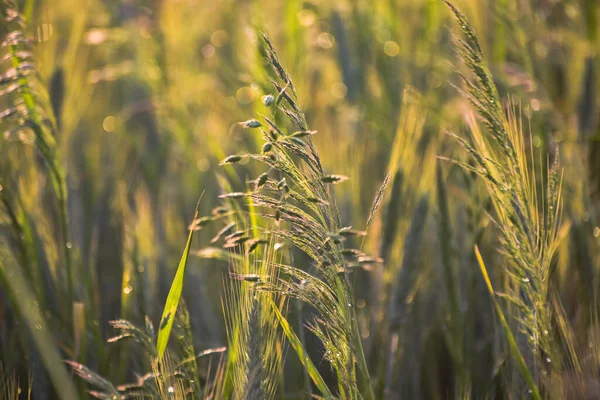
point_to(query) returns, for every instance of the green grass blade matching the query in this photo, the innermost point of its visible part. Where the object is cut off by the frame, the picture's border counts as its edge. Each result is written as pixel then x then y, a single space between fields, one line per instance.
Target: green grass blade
pixel 509 336
pixel 168 316
pixel 30 311
pixel 297 345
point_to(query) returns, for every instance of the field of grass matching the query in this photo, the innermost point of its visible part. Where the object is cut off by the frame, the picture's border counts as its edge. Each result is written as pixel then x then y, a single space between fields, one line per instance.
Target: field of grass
pixel 353 199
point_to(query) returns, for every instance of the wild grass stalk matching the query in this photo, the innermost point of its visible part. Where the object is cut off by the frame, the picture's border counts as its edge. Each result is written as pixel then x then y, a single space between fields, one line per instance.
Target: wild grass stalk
pixel 30 105
pixel 140 110
pixel 301 199
pixel 254 356
pixel 527 218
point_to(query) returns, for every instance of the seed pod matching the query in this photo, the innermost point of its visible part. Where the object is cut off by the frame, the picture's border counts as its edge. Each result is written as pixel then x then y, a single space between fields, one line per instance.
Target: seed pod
pixel 234 235
pixel 298 141
pixel 268 100
pixel 254 244
pixel 348 231
pixel 369 260
pixel 267 147
pixel 236 241
pixel 261 180
pixel 231 160
pixel 301 134
pixel 351 252
pixel 251 123
pixel 219 210
pixel 252 247
pixel 333 178
pixel 336 239
pixel 199 223
pixel 273 134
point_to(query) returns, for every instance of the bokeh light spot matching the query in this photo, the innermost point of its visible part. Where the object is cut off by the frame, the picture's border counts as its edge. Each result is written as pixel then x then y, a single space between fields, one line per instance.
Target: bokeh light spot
pixel 306 17
pixel 245 95
pixel 391 48
pixel 219 38
pixel 208 50
pixel 109 123
pixel 325 40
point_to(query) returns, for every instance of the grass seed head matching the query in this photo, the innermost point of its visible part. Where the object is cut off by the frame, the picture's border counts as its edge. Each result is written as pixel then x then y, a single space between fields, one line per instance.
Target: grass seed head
pixel 251 123
pixel 268 100
pixel 333 178
pixel 231 159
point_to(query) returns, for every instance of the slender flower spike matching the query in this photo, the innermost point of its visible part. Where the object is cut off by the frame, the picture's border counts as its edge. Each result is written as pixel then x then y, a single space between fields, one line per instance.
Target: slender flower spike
pixel 251 123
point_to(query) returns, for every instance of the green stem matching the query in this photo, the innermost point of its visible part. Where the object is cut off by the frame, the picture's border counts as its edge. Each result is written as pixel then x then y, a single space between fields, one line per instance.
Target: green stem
pixel 303 343
pixel 364 378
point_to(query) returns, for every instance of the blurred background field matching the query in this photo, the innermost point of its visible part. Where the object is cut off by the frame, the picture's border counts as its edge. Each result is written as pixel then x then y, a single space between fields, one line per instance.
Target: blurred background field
pixel 146 98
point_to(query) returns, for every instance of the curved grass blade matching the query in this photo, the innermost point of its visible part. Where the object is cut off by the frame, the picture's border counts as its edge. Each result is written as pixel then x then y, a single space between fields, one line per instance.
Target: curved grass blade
pixel 297 345
pixel 168 316
pixel 514 348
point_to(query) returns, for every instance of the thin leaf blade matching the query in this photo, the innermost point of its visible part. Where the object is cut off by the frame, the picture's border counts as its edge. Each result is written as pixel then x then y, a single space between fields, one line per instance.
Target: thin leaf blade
pixel 514 348
pixel 297 345
pixel 172 302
